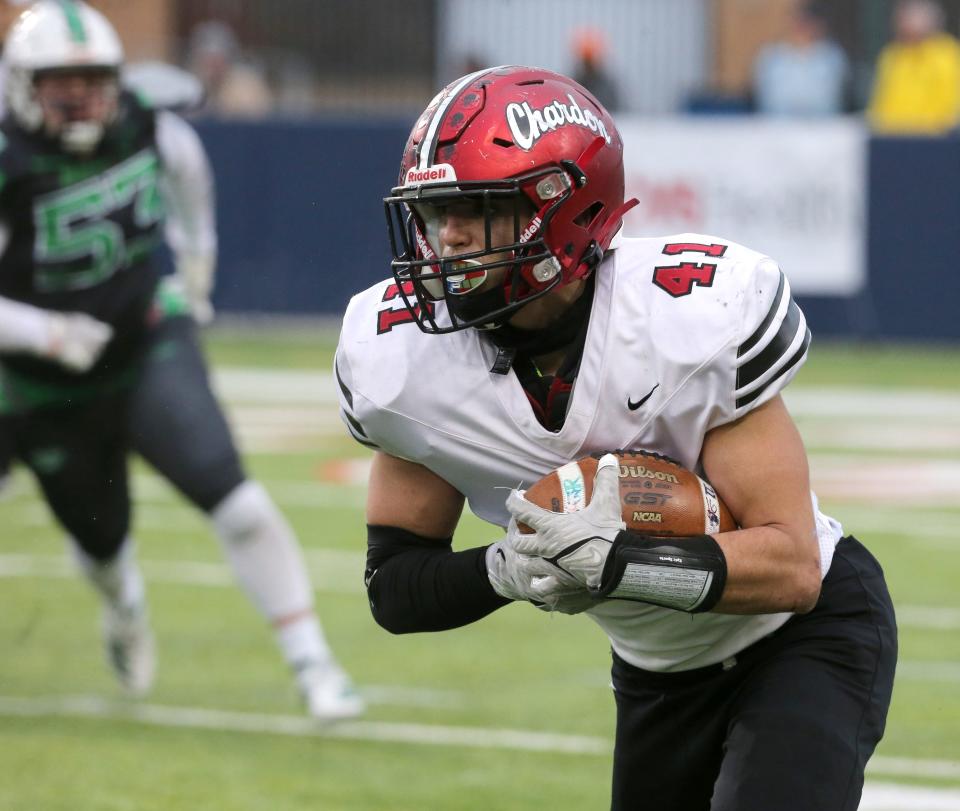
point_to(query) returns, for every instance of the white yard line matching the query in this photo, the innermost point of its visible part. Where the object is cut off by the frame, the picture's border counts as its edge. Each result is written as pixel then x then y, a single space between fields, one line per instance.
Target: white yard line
pixel 859 402
pixel 877 796
pixel 287 410
pixel 891 797
pixel 929 617
pixel 927 482
pixel 924 526
pixel 330 571
pixel 157 503
pixel 904 435
pixel 260 385
pixel 340 571
pixel 227 721
pixel 913 767
pixel 929 671
pixel 255 384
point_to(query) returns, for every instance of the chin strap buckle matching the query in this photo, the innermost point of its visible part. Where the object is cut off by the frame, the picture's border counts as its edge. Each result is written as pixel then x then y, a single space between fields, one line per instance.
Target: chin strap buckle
pixel 504 361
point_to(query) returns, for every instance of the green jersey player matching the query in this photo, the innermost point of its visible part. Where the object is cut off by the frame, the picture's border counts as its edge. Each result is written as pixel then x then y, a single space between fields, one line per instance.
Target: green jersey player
pixel 98 352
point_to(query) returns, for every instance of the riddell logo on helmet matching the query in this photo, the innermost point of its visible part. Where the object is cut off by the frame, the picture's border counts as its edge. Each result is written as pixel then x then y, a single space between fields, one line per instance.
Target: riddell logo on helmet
pixel 441 173
pixel 528 125
pixel 424 246
pixel 531 230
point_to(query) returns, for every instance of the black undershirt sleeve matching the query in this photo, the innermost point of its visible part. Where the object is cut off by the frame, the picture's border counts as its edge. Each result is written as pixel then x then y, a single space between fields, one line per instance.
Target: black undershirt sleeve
pixel 420 584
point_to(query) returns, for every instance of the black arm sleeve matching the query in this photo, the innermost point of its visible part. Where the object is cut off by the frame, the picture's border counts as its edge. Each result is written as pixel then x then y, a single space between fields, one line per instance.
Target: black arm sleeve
pixel 421 584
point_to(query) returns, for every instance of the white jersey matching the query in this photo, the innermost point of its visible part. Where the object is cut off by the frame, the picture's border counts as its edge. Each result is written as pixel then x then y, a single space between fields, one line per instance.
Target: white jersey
pixel 698 329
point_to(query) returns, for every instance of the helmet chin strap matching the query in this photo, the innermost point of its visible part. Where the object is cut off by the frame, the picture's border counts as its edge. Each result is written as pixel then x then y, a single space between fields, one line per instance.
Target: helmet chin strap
pixel 476 305
pixel 556 335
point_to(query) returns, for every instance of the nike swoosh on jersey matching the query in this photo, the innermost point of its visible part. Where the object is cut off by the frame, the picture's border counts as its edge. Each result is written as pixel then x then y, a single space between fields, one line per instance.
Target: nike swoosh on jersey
pixel 633 406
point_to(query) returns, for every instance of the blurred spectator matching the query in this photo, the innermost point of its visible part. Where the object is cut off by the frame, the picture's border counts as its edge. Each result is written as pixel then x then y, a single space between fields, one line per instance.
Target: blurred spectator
pixel 806 73
pixel 233 86
pixel 590 49
pixel 296 86
pixel 917 84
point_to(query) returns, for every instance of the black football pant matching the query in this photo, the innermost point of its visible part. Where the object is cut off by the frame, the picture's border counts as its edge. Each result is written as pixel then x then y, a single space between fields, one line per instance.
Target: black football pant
pixel 169 416
pixel 788 728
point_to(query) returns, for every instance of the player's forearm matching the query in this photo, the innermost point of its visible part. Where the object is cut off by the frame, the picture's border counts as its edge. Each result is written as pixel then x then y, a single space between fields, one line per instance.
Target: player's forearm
pixel 419 584
pixel 769 569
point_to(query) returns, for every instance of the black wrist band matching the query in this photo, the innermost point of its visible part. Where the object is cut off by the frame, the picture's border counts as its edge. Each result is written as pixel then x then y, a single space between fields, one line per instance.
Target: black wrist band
pixel 687 574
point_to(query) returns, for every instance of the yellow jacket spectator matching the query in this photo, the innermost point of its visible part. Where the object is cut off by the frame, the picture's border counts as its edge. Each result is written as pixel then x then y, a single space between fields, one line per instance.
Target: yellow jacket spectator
pixel 917 86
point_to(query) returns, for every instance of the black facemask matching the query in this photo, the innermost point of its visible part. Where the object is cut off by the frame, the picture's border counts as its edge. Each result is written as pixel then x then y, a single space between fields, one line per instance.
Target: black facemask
pixel 475 305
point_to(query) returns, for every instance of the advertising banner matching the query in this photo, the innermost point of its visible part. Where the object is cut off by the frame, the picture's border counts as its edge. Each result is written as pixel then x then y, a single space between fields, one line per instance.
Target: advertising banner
pixel 795 190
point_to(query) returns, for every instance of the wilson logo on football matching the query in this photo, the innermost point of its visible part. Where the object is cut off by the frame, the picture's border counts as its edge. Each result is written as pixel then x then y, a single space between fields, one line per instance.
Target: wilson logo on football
pixel 528 124
pixel 441 173
pixel 641 472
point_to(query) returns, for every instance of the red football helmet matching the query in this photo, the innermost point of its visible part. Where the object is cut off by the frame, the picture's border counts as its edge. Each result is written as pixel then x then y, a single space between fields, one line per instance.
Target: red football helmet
pixel 505 141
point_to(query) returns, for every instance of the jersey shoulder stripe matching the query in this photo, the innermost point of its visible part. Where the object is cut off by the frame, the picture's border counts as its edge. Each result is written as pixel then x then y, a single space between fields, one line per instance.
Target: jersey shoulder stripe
pixel 754 339
pixel 760 362
pixel 347 394
pixel 778 344
pixel 346 410
pixel 781 370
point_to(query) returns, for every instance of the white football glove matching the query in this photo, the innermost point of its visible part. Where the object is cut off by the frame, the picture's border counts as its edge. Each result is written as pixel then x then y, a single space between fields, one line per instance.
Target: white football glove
pixel 522 577
pixel 575 544
pixel 196 274
pixel 76 340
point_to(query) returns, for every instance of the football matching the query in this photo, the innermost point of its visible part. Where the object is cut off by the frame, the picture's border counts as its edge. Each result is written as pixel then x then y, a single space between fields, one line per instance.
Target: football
pixel 657 495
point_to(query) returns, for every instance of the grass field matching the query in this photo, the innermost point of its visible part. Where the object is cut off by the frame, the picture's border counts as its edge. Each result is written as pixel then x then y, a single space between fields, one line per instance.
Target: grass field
pixel 511 713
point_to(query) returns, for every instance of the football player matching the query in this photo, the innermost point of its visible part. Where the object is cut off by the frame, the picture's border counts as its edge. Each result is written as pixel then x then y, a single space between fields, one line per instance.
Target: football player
pixel 99 354
pixel 752 669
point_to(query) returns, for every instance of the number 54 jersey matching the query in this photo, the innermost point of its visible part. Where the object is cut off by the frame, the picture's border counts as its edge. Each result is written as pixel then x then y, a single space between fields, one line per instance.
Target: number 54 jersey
pixel 686 333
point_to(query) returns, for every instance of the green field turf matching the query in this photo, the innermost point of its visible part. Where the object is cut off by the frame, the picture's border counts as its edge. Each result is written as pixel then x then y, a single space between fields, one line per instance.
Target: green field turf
pixel 513 712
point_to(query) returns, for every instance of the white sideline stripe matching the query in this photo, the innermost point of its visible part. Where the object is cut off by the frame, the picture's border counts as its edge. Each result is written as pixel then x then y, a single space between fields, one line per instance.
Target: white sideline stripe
pixel 339 570
pixel 915 767
pixel 286 492
pixel 904 436
pixel 933 482
pixel 891 797
pixel 226 721
pixel 862 401
pixel 276 409
pixel 921 484
pixel 330 571
pixel 154 491
pixel 159 507
pixel 922 616
pixel 876 797
pixel 948 672
pixel 257 384
pixel 925 527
